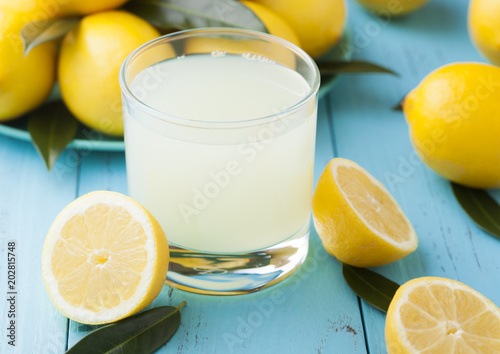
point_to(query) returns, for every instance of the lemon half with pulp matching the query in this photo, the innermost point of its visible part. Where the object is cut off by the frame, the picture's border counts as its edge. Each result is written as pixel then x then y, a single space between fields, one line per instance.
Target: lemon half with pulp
pixel 105 258
pixel 438 315
pixel 357 219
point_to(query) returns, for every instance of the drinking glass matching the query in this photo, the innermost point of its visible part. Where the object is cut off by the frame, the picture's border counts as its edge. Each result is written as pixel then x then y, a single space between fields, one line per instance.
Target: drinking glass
pixel 232 194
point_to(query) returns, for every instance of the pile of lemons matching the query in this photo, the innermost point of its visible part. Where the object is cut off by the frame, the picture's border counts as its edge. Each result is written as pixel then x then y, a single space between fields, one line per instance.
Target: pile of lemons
pixel 90 56
pixel 87 66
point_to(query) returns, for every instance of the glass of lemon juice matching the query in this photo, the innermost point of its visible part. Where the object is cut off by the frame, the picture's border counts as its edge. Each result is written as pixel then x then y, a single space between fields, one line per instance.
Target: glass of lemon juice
pixel 220 129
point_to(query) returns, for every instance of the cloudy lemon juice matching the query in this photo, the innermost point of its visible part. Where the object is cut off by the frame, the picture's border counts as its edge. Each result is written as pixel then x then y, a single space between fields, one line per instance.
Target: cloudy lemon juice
pixel 220 149
pixel 220 196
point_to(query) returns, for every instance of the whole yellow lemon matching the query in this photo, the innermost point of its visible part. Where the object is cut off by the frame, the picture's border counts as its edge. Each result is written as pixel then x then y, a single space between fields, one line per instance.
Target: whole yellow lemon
pixel 318 23
pixel 25 80
pixel 275 24
pixel 89 63
pixel 454 123
pixel 391 7
pixel 484 27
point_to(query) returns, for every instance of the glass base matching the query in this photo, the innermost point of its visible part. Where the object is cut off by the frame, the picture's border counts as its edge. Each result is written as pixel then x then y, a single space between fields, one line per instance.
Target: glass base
pixel 236 274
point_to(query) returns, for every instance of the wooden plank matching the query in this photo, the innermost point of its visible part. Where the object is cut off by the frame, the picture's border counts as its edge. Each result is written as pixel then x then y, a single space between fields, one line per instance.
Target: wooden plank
pixel 368 132
pixel 30 199
pixel 311 311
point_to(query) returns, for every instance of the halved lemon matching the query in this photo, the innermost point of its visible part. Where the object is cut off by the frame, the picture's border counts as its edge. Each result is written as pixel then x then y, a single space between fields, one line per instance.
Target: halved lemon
pixel 105 257
pixel 357 219
pixel 438 315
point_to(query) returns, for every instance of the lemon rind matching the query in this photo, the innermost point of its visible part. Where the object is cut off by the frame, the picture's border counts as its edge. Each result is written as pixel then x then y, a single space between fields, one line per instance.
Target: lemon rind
pixel 126 307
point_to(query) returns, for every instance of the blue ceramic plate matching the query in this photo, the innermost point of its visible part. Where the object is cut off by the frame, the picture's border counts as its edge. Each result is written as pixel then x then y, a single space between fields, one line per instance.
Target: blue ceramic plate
pixel 87 138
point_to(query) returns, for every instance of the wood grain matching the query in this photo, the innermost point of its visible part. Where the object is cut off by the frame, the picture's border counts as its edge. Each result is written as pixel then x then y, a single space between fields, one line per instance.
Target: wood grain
pixel 368 132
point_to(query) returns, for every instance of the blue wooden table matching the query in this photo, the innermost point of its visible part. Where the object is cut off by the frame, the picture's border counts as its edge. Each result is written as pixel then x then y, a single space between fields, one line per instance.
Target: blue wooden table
pixel 313 311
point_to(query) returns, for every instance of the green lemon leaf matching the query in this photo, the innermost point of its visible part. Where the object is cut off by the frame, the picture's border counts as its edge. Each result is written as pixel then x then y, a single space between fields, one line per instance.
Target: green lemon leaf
pixel 189 14
pixel 38 32
pixel 52 127
pixel 374 288
pixel 352 67
pixel 143 333
pixel 480 206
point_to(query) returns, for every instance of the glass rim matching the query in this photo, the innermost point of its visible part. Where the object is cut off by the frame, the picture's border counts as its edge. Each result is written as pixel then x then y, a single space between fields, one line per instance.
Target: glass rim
pixel 168 118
